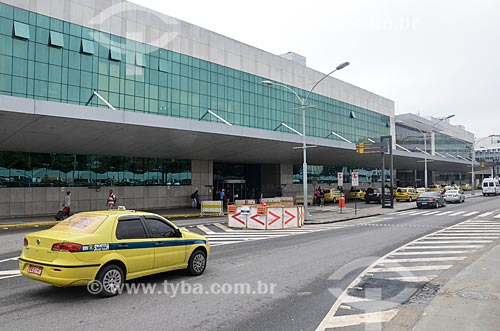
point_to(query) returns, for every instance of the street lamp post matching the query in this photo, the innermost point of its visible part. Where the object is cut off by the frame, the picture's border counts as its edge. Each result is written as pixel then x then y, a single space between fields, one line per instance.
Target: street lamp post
pixel 474 159
pixel 304 106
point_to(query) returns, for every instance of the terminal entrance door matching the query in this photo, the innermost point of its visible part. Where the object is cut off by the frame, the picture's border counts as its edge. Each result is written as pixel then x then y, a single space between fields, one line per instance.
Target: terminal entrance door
pixel 235 189
pixel 240 181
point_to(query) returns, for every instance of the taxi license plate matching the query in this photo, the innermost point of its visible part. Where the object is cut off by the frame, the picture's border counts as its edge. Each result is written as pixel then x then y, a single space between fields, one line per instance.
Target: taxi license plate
pixel 424 203
pixel 36 270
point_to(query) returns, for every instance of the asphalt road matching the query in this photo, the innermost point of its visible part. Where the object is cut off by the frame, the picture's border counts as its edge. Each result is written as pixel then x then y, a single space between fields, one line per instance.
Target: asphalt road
pixel 290 281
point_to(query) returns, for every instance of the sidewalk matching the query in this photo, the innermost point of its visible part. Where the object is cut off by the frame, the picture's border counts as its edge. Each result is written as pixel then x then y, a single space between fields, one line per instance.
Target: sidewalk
pixel 319 214
pixel 469 301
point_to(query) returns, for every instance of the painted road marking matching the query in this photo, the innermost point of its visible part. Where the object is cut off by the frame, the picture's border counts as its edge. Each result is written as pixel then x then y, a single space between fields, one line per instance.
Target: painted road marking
pixel 9 272
pixel 497 216
pixel 414 279
pixel 10 259
pixel 426 259
pixel 455 242
pixel 413 268
pixel 443 247
pixel 471 213
pixel 435 252
pixel 431 213
pixel 223 227
pixel 444 237
pixel 205 229
pixel 368 318
pixel 458 213
pixel 352 299
pixel 444 213
pixel 485 214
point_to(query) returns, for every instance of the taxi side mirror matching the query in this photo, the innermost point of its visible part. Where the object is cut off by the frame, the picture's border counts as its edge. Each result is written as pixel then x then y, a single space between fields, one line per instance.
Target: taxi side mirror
pixel 178 233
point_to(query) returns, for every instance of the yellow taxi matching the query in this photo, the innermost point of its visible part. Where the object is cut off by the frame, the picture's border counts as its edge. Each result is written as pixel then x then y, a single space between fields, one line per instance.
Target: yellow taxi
pixel 406 194
pixel 465 187
pixel 436 188
pixel 357 194
pixel 332 195
pixel 102 249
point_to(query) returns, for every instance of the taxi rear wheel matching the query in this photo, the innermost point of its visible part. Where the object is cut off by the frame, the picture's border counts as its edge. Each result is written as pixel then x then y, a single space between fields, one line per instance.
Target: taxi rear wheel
pixel 111 279
pixel 197 263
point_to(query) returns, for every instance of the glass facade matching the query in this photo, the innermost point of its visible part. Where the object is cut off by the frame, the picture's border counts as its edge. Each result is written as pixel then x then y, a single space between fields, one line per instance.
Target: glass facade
pixel 328 174
pixel 447 146
pixel 49 170
pixel 412 139
pixel 49 59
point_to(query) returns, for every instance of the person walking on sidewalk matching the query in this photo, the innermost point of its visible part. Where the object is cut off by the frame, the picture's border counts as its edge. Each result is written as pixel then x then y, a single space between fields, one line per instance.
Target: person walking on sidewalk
pixel 111 202
pixel 67 204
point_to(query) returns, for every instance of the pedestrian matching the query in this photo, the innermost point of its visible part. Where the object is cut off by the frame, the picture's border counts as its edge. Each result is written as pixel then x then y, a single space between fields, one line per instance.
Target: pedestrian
pixel 67 204
pixel 195 198
pixel 111 202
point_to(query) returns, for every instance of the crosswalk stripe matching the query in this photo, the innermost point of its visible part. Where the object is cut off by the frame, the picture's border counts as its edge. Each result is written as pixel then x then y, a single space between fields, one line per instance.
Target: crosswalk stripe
pixel 443 247
pixel 413 268
pixel 352 299
pixel 458 213
pixel 431 213
pixel 462 237
pixel 420 212
pixel 413 279
pixel 444 213
pixel 485 214
pixel 9 272
pixel 205 229
pixel 472 231
pixel 223 227
pixel 426 259
pixel 434 252
pixel 455 242
pixel 497 216
pixel 471 213
pixel 368 318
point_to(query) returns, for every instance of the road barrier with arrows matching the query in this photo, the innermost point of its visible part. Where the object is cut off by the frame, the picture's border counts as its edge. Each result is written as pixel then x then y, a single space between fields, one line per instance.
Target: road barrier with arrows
pixel 263 217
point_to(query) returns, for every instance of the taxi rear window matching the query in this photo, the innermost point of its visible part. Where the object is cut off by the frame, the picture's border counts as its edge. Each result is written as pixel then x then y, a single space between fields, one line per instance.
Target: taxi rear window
pixel 80 223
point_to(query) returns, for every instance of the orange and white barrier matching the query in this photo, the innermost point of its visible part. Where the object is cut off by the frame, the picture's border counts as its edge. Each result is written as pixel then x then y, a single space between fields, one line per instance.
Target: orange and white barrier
pixel 257 218
pixel 299 199
pixel 236 217
pixel 274 218
pixel 263 217
pixel 287 201
pixel 271 201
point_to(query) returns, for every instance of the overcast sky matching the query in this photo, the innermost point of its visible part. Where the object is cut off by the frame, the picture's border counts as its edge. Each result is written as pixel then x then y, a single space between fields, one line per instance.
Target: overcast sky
pixel 431 57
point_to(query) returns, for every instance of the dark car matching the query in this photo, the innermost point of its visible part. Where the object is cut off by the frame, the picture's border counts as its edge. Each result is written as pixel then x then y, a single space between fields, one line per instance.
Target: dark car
pixel 373 195
pixel 431 200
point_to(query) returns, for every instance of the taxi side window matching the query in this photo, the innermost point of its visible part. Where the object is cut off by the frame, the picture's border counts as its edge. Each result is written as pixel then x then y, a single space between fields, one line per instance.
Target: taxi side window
pixel 131 228
pixel 159 229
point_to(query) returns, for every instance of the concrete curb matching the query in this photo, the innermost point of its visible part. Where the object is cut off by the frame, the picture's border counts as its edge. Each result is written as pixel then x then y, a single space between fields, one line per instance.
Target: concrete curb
pixel 52 223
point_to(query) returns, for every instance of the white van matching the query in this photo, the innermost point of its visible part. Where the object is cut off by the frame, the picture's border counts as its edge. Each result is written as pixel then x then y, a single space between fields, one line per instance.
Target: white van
pixel 491 186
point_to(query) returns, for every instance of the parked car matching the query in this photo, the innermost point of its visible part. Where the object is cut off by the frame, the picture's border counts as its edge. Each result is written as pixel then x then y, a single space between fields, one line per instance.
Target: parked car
pixel 332 195
pixel 490 186
pixel 454 196
pixel 406 194
pixel 373 195
pixel 357 194
pixel 465 187
pixel 430 200
pixel 110 247
pixel 436 188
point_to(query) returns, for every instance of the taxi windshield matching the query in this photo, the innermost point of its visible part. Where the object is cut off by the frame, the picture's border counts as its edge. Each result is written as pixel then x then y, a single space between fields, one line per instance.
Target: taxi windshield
pixel 80 223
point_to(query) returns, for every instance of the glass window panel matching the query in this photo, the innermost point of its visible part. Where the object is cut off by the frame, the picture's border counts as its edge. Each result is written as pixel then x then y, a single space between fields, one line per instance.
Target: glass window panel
pixel 163 65
pixel 5 83
pixel 21 30
pixel 5 64
pixel 140 60
pixel 87 46
pixel 115 53
pixel 56 39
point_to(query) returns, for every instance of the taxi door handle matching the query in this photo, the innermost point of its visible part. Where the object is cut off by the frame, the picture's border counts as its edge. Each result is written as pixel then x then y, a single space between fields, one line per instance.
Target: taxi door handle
pixel 122 246
pixel 159 243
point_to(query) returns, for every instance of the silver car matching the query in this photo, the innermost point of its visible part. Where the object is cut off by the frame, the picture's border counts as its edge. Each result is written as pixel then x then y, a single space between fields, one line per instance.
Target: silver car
pixel 454 196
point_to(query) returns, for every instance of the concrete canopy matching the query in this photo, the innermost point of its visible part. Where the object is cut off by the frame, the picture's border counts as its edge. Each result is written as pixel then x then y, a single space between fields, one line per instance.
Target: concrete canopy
pixel 51 127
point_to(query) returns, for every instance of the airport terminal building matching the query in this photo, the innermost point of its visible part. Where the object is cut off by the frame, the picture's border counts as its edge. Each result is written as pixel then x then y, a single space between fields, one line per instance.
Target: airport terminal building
pixel 99 95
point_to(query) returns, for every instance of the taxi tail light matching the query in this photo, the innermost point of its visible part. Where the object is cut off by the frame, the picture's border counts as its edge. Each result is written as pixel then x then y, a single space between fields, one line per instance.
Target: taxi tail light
pixel 66 247
pixel 432 199
pixel 25 242
pixel 456 195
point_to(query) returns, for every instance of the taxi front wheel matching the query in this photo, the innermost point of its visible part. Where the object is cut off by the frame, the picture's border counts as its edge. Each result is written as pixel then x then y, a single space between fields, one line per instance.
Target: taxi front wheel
pixel 197 263
pixel 110 279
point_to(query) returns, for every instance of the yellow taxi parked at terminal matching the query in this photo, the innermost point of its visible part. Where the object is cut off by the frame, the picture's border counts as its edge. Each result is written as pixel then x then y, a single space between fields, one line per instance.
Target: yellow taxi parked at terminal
pixel 106 248
pixel 406 194
pixel 332 195
pixel 357 194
